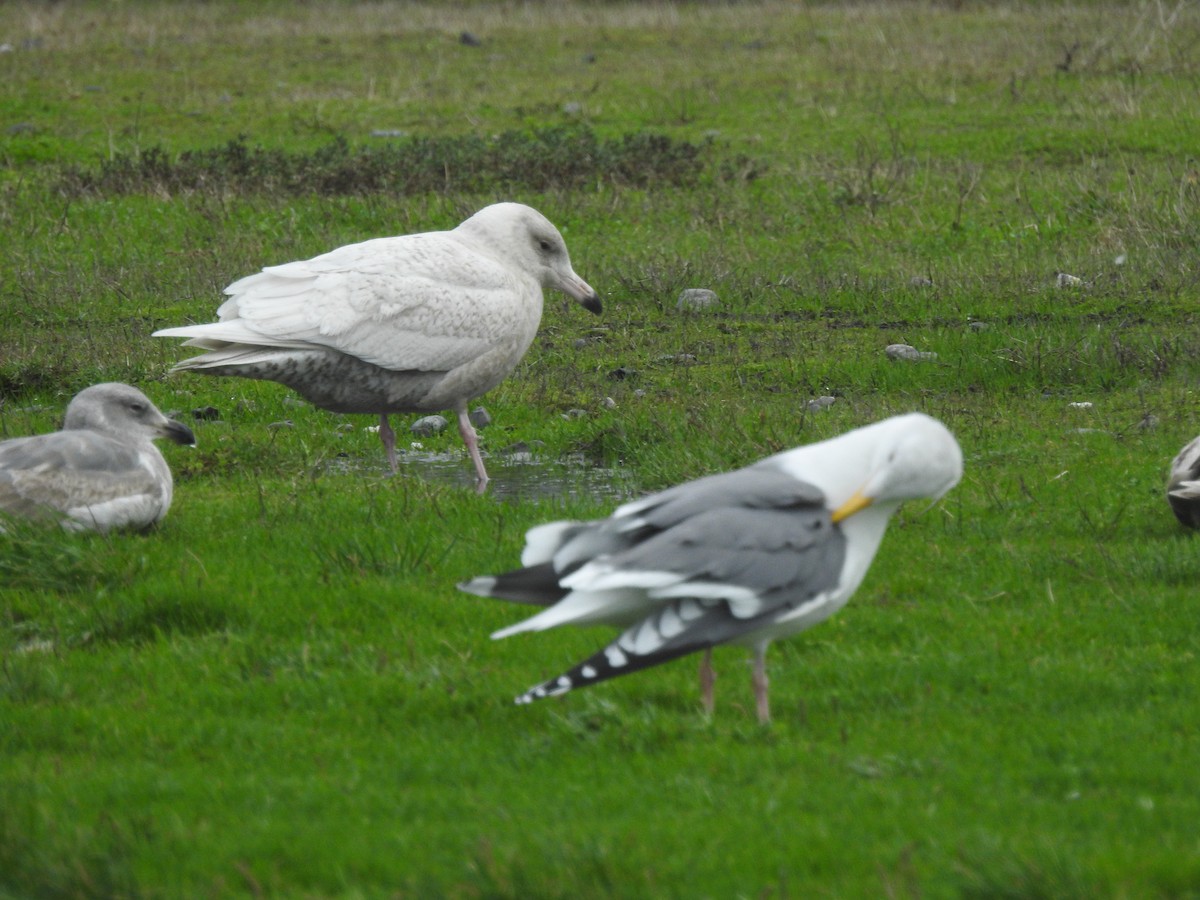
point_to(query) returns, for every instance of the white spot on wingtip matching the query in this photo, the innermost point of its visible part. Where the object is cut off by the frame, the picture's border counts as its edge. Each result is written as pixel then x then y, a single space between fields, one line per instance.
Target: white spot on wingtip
pixel 669 623
pixel 616 656
pixel 587 672
pixel 481 586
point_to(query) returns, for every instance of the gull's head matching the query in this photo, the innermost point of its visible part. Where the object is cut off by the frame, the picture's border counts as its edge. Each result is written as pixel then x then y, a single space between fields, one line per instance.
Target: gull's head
pixel 124 413
pixel 523 235
pixel 912 457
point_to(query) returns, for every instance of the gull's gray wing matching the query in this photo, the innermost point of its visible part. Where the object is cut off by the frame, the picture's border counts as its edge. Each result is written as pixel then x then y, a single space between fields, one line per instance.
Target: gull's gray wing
pixel 788 562
pixel 80 474
pixel 634 533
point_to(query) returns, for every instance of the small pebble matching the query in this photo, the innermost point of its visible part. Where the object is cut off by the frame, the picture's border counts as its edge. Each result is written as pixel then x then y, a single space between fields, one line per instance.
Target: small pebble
pixel 206 413
pixel 1064 280
pixel 283 423
pixel 574 413
pixel 979 326
pixel 1080 404
pixel 920 281
pixel 1149 422
pixel 429 425
pixel 580 343
pixel 819 403
pixel 573 108
pixel 622 374
pixel 609 403
pixel 469 40
pixel 696 299
pixel 480 417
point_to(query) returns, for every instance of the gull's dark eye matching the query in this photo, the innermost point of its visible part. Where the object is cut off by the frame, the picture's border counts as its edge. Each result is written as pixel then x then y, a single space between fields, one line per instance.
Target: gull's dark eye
pixel 137 406
pixel 545 245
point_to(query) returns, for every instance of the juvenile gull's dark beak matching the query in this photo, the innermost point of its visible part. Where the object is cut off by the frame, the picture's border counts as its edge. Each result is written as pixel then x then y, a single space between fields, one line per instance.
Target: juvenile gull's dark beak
pixel 179 433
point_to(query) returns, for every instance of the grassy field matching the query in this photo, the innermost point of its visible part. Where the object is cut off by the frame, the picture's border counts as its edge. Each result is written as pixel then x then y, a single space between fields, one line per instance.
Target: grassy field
pixel 281 693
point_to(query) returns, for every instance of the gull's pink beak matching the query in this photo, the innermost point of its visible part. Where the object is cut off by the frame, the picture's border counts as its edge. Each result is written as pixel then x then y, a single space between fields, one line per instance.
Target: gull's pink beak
pixel 578 289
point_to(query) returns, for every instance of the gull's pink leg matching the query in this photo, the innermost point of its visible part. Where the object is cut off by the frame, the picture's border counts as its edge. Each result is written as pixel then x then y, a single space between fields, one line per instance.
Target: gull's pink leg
pixel 468 435
pixel 761 684
pixel 389 442
pixel 708 678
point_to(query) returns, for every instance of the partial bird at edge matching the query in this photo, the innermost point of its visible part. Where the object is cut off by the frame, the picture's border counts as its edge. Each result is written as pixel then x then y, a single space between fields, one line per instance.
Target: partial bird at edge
pixel 1183 485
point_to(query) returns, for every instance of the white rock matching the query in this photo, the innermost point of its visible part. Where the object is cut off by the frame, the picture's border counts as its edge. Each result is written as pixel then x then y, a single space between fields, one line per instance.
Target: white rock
pixel 907 351
pixel 696 299
pixel 428 425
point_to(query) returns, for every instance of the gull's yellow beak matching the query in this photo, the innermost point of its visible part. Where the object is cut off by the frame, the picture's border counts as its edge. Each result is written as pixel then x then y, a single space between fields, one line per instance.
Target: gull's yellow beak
pixel 858 501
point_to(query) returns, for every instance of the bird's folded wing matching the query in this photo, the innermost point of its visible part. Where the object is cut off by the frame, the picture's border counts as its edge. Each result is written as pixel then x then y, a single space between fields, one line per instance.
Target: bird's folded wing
pixel 751 558
pixel 71 470
pixel 398 303
pixel 749 561
pixel 760 486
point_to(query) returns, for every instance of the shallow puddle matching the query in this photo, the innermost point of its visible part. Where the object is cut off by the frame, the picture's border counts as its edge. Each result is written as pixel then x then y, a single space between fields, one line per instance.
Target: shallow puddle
pixel 513 476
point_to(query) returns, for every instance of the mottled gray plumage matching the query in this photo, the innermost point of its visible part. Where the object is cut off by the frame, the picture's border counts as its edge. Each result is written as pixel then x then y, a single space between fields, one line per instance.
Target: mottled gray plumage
pixel 739 558
pixel 1183 485
pixel 415 323
pixel 100 472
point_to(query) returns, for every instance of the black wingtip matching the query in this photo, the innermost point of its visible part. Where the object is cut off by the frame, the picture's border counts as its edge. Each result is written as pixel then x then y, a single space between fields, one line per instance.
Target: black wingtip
pixel 534 585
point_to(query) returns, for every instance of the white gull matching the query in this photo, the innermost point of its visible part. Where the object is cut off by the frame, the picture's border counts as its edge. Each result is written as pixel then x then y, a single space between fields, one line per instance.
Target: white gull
pixel 415 323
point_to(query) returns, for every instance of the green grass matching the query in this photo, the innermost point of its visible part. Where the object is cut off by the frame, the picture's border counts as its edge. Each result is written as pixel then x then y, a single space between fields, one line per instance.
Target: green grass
pixel 281 693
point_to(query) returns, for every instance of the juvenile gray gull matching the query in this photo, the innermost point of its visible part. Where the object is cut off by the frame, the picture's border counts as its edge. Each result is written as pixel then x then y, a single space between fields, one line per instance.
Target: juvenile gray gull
pixel 418 323
pixel 100 472
pixel 742 558
pixel 1183 485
